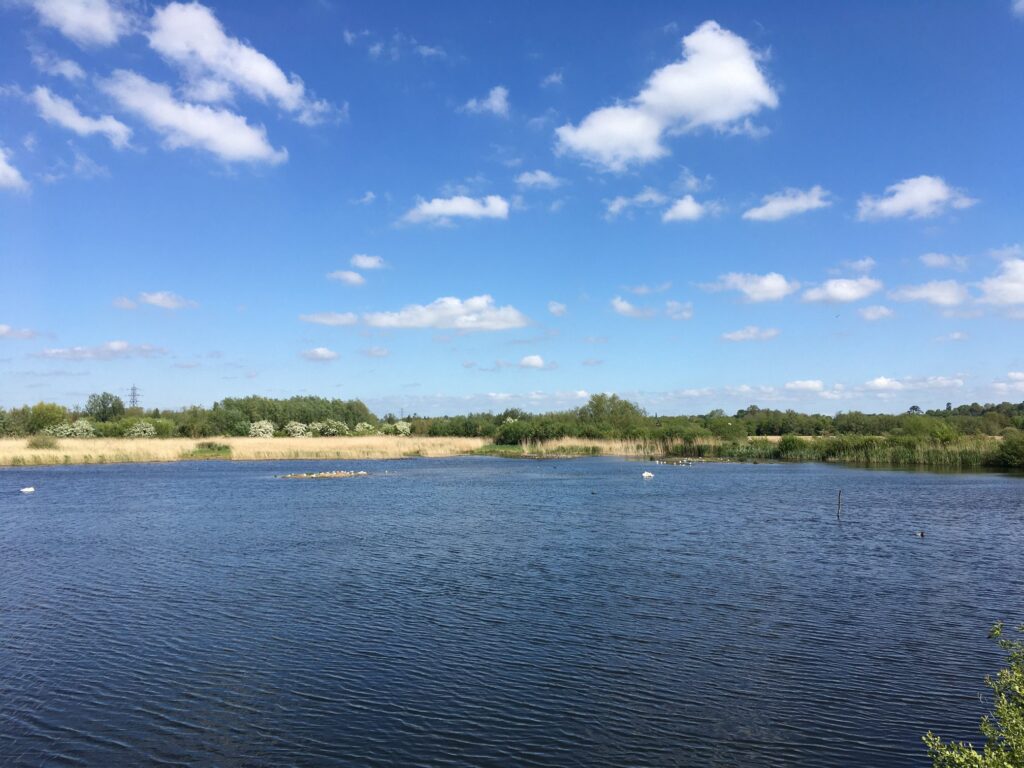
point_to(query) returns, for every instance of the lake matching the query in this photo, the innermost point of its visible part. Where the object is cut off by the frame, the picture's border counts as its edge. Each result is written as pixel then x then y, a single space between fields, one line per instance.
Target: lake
pixel 481 611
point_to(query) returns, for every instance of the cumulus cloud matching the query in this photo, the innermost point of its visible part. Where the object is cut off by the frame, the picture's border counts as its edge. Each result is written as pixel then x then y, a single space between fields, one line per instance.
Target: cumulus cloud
pixel 10 177
pixel 1006 287
pixel 718 84
pixel 555 78
pixel 1014 379
pixel 944 293
pixel 677 310
pixel 477 313
pixel 441 210
pixel 921 197
pixel 190 36
pixel 165 300
pixel 756 288
pixel 805 385
pixel 875 312
pixel 538 178
pixel 843 290
pixel 496 103
pixel 685 209
pixel 788 202
pixel 111 350
pixel 883 384
pixel 532 361
pixel 644 288
pixel 622 307
pixel 367 198
pixel 87 22
pixel 557 308
pixel 751 333
pixel 646 198
pixel 49 64
pixel 330 318
pixel 10 332
pixel 347 277
pixel 320 355
pixel 218 131
pixel 365 261
pixel 943 261
pixel 60 111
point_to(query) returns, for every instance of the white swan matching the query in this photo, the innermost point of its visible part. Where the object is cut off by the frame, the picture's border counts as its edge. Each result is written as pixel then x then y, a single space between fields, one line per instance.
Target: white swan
pixel 647 475
pixel 30 489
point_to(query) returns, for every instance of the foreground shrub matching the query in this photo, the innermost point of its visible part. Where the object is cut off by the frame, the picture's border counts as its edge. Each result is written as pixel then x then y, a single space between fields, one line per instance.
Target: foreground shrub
pixel 296 429
pixel 262 428
pixel 42 442
pixel 1004 729
pixel 140 429
pixel 1011 451
pixel 80 428
pixel 365 428
pixel 328 428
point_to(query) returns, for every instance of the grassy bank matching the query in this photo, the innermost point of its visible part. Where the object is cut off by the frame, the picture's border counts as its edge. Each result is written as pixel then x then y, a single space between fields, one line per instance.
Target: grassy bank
pixel 893 451
pixel 17 452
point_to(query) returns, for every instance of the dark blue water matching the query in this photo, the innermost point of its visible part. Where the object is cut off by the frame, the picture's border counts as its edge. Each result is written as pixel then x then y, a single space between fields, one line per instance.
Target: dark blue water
pixel 494 612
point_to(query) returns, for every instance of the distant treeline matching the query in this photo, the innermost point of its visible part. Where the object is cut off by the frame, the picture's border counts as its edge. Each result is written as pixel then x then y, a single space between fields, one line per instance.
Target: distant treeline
pixel 603 416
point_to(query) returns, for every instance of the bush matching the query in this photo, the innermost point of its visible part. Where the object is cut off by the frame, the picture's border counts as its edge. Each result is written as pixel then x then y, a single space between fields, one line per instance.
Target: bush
pixel 42 442
pixel 140 429
pixel 365 428
pixel 1011 451
pixel 261 428
pixel 296 429
pixel 80 428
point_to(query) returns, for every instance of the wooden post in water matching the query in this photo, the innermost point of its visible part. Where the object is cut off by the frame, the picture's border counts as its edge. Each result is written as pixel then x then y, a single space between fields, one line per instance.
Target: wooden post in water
pixel 839 505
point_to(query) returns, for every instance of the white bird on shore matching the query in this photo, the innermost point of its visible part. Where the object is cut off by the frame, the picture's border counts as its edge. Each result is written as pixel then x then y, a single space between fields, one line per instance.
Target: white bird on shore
pixel 30 489
pixel 647 475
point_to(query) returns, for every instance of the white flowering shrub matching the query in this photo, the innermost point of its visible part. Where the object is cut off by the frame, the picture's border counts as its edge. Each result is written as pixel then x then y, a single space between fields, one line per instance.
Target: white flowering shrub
pixel 510 420
pixel 403 428
pixel 328 428
pixel 296 429
pixel 82 428
pixel 261 429
pixel 141 429
pixel 58 430
pixel 362 428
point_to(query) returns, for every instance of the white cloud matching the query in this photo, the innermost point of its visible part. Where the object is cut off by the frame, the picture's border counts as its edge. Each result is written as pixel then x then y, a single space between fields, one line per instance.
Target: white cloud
pixel 1018 7
pixel 805 385
pixel 54 109
pixel 532 361
pixel 677 310
pixel 376 352
pixel 368 198
pixel 622 307
pixel 555 78
pixel 944 293
pixel 954 336
pixel 477 313
pixel 431 52
pixel 330 318
pixel 921 197
pixel 9 332
pixel 788 202
pixel 860 265
pixel 189 35
pixel 538 178
pixel 441 210
pixel 1007 287
pixel 943 261
pixel 496 102
pixel 46 62
pixel 843 290
pixel 123 302
pixel 769 287
pixel 87 22
pixel 557 308
pixel 223 133
pixel 364 261
pixel 10 177
pixel 718 84
pixel 646 198
pixel 751 333
pixel 165 300
pixel 644 289
pixel 1015 379
pixel 347 277
pixel 320 355
pixel 111 350
pixel 875 312
pixel 885 384
pixel 685 209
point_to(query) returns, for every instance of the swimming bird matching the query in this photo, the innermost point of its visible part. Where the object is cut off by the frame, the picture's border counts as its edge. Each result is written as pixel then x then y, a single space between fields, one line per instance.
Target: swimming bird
pixel 647 475
pixel 920 534
pixel 30 489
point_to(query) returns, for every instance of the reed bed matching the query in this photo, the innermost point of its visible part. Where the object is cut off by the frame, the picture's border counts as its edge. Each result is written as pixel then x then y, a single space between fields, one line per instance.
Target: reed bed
pixel 16 452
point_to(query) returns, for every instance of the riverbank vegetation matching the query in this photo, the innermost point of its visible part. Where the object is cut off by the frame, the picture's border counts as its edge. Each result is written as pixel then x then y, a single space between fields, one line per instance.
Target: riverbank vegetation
pixel 964 437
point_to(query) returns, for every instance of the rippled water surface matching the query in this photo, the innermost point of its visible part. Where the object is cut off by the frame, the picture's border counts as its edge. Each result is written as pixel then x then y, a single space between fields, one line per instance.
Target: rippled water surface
pixel 483 611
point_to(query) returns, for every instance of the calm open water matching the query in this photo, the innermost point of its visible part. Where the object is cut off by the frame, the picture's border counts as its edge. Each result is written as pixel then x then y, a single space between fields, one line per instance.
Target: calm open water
pixel 481 611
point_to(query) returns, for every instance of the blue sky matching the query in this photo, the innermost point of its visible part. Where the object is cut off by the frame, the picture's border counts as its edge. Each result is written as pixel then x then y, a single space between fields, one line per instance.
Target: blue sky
pixel 471 206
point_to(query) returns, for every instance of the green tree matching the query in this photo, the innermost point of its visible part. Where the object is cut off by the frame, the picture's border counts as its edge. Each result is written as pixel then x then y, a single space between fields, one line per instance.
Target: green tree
pixel 43 415
pixel 1004 729
pixel 104 407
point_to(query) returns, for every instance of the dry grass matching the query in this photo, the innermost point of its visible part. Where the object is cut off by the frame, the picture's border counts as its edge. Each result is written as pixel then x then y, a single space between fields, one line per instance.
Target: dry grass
pixel 15 452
